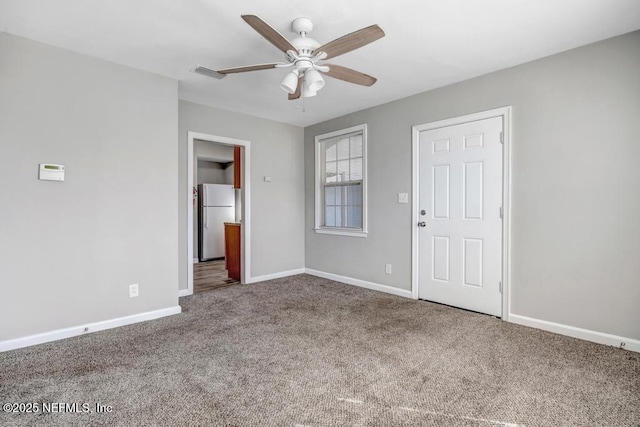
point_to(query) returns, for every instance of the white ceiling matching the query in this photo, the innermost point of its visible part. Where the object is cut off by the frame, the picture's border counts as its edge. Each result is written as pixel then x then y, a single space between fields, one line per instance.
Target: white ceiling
pixel 428 43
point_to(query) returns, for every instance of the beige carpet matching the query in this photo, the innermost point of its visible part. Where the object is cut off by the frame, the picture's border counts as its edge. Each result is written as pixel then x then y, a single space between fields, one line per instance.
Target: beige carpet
pixel 303 351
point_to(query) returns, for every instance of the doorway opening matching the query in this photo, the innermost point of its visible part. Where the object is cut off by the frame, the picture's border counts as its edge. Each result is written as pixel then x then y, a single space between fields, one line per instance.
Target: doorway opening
pixel 218 214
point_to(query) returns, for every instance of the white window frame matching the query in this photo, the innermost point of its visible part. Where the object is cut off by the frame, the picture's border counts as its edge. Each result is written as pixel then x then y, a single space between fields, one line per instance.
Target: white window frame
pixel 319 139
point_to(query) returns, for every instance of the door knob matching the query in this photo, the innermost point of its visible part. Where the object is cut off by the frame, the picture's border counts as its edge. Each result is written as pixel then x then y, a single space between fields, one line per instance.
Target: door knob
pixel 422 224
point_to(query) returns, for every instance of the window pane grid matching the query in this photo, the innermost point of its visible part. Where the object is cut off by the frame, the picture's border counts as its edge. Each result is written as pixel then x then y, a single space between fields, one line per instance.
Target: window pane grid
pixel 343 159
pixel 341 163
pixel 343 205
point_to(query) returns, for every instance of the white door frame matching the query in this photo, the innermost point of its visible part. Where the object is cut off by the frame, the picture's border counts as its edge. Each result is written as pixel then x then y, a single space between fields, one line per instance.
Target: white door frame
pixel 505 113
pixel 245 273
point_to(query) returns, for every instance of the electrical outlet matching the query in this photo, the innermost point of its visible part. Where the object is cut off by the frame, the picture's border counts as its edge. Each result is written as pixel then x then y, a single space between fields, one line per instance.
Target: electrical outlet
pixel 133 290
pixel 387 268
pixel 403 197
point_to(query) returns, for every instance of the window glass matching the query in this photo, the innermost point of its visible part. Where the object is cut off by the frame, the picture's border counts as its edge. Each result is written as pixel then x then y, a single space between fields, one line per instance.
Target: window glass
pixel 343 149
pixel 331 151
pixel 343 170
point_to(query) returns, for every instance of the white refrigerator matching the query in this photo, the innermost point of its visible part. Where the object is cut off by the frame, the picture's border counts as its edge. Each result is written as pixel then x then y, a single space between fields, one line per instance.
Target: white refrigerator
pixel 216 206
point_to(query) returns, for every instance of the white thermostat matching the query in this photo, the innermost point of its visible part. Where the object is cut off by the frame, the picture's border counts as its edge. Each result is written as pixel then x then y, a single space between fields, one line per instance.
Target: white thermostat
pixel 51 172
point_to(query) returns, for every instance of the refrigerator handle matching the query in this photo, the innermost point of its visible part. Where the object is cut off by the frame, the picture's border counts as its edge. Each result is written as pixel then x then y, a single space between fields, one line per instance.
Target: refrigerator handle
pixel 204 204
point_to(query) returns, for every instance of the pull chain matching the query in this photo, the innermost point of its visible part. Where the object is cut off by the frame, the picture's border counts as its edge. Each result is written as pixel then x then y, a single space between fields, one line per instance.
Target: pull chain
pixel 302 93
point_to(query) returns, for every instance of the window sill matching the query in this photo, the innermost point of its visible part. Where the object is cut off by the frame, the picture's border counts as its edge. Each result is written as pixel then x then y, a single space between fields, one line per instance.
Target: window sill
pixel 341 232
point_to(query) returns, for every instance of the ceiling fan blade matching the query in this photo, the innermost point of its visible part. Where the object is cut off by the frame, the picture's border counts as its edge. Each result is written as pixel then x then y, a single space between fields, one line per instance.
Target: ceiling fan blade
pixel 351 41
pixel 349 75
pixel 248 68
pixel 269 33
pixel 296 94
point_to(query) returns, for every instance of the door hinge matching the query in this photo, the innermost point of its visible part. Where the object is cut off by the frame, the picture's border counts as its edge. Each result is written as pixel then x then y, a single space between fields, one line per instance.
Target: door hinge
pixel 501 212
pixel 501 137
pixel 500 286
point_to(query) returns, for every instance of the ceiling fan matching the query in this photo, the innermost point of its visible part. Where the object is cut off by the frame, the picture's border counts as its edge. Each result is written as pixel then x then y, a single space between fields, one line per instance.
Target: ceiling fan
pixel 304 53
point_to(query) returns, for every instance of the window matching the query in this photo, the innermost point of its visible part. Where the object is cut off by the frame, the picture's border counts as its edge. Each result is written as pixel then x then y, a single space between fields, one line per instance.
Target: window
pixel 341 182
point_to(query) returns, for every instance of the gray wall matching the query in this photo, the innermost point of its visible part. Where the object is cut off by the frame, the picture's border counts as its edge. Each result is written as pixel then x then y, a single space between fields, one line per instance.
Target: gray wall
pixel 68 251
pixel 228 173
pixel 210 151
pixel 575 189
pixel 211 173
pixel 277 207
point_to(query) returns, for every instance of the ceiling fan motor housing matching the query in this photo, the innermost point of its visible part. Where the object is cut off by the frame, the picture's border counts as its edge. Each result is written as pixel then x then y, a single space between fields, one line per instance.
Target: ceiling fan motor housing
pixel 302 25
pixel 304 44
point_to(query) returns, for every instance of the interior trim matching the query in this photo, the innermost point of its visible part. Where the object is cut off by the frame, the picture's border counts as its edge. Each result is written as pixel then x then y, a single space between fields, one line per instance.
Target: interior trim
pixel 86 328
pixel 245 276
pixel 361 283
pixel 572 331
pixel 278 275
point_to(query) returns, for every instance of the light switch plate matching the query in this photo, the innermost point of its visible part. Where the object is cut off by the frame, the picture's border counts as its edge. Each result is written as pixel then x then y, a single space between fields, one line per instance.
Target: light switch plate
pixel 403 197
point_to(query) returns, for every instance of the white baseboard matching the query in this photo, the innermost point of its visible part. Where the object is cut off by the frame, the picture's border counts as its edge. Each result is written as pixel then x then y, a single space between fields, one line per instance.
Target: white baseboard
pixel 196 260
pixel 287 273
pixel 572 331
pixel 184 293
pixel 361 283
pixel 86 328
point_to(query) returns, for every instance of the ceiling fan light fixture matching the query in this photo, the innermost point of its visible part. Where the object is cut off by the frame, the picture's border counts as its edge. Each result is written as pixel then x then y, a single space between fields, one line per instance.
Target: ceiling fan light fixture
pixel 290 82
pixel 308 94
pixel 313 80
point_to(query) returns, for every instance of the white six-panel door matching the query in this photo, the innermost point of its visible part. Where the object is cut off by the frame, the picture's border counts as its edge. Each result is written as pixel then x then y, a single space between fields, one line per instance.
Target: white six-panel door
pixel 460 225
